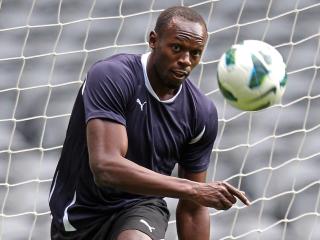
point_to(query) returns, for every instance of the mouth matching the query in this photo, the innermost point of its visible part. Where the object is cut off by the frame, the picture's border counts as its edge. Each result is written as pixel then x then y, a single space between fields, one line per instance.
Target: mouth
pixel 180 74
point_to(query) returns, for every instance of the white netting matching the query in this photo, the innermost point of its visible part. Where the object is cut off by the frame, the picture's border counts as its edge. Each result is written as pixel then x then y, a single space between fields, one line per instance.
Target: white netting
pixel 273 155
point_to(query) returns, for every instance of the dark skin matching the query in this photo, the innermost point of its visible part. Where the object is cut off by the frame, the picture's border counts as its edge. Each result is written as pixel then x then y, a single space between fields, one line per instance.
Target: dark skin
pixel 174 54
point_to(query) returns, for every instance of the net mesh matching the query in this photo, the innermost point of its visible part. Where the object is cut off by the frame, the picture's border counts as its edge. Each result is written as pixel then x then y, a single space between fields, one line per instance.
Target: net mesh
pixel 272 155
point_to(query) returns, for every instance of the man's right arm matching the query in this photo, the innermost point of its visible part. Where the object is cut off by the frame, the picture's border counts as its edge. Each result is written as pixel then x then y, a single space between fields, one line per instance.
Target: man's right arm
pixel 108 144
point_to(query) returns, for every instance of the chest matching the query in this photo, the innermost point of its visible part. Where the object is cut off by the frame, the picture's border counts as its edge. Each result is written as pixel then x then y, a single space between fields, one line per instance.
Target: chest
pixel 157 132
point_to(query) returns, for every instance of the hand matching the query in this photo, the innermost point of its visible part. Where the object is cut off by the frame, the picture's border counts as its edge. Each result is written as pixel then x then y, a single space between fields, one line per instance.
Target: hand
pixel 219 195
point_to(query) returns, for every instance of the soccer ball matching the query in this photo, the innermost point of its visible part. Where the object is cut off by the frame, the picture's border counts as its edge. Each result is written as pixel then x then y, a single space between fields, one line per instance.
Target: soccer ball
pixel 252 75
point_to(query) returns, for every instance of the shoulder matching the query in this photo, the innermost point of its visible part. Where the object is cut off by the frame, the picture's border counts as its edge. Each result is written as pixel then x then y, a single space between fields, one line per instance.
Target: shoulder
pixel 117 64
pixel 121 70
pixel 117 75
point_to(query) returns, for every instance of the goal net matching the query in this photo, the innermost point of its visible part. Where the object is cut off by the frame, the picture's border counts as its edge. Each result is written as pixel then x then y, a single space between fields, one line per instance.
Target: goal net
pixel 273 155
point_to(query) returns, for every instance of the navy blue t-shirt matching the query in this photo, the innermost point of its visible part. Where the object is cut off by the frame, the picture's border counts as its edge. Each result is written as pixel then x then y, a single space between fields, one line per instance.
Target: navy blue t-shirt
pixel 160 134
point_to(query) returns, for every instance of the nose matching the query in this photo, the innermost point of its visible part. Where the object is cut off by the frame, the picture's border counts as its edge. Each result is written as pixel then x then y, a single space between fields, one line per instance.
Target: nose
pixel 184 59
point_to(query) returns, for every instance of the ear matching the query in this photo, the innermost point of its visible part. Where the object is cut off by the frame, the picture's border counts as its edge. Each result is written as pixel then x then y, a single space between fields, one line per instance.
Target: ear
pixel 153 37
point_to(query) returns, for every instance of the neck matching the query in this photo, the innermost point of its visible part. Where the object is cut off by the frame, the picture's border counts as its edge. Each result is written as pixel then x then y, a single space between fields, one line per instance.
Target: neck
pixel 163 92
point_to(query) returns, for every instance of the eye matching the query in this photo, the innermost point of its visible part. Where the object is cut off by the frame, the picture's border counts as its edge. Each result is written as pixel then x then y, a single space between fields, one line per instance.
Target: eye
pixel 196 53
pixel 176 47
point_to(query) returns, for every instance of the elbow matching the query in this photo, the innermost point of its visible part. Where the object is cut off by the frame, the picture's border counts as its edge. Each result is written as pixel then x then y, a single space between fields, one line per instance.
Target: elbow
pixel 99 180
pixel 102 174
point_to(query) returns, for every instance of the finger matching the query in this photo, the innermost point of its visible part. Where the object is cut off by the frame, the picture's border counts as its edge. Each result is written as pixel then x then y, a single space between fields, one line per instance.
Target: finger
pixel 229 196
pixel 239 194
pixel 243 198
pixel 225 191
pixel 225 203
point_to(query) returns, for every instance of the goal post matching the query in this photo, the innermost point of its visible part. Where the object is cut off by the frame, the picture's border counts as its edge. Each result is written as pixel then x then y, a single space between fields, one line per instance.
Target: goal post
pixel 273 154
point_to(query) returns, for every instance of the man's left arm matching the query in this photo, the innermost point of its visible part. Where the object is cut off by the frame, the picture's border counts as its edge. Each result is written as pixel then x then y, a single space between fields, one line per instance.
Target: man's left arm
pixel 193 220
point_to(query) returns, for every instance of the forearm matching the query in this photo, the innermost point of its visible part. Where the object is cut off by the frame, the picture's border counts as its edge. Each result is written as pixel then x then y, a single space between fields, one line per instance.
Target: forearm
pixel 193 221
pixel 128 176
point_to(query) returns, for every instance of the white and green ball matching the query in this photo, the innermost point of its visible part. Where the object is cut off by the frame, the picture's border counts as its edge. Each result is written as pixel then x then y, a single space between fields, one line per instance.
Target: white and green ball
pixel 252 75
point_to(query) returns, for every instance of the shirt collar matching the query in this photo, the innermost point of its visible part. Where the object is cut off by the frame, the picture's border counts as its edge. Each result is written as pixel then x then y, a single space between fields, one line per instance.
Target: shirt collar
pixel 144 61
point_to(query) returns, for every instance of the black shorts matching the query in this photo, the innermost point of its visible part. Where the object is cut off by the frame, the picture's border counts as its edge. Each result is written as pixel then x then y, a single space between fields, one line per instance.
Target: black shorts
pixel 150 217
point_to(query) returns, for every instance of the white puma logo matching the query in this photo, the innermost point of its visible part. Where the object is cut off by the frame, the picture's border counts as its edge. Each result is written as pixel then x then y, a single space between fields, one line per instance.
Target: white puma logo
pixel 148 226
pixel 141 104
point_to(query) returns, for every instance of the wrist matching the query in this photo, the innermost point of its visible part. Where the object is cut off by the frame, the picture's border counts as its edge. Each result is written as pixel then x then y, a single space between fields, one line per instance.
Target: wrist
pixel 192 190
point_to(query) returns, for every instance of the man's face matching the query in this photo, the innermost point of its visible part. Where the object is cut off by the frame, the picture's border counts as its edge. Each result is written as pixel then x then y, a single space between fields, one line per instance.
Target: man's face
pixel 177 50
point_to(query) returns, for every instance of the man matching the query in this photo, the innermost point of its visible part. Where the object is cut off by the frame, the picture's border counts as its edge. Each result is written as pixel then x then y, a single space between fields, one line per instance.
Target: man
pixel 134 118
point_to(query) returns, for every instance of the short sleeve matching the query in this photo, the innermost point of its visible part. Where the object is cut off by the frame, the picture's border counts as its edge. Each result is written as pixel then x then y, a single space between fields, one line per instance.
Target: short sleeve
pixel 106 92
pixel 196 154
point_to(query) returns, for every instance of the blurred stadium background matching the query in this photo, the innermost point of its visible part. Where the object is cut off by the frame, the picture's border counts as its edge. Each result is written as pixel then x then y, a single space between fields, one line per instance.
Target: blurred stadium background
pixel 273 155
